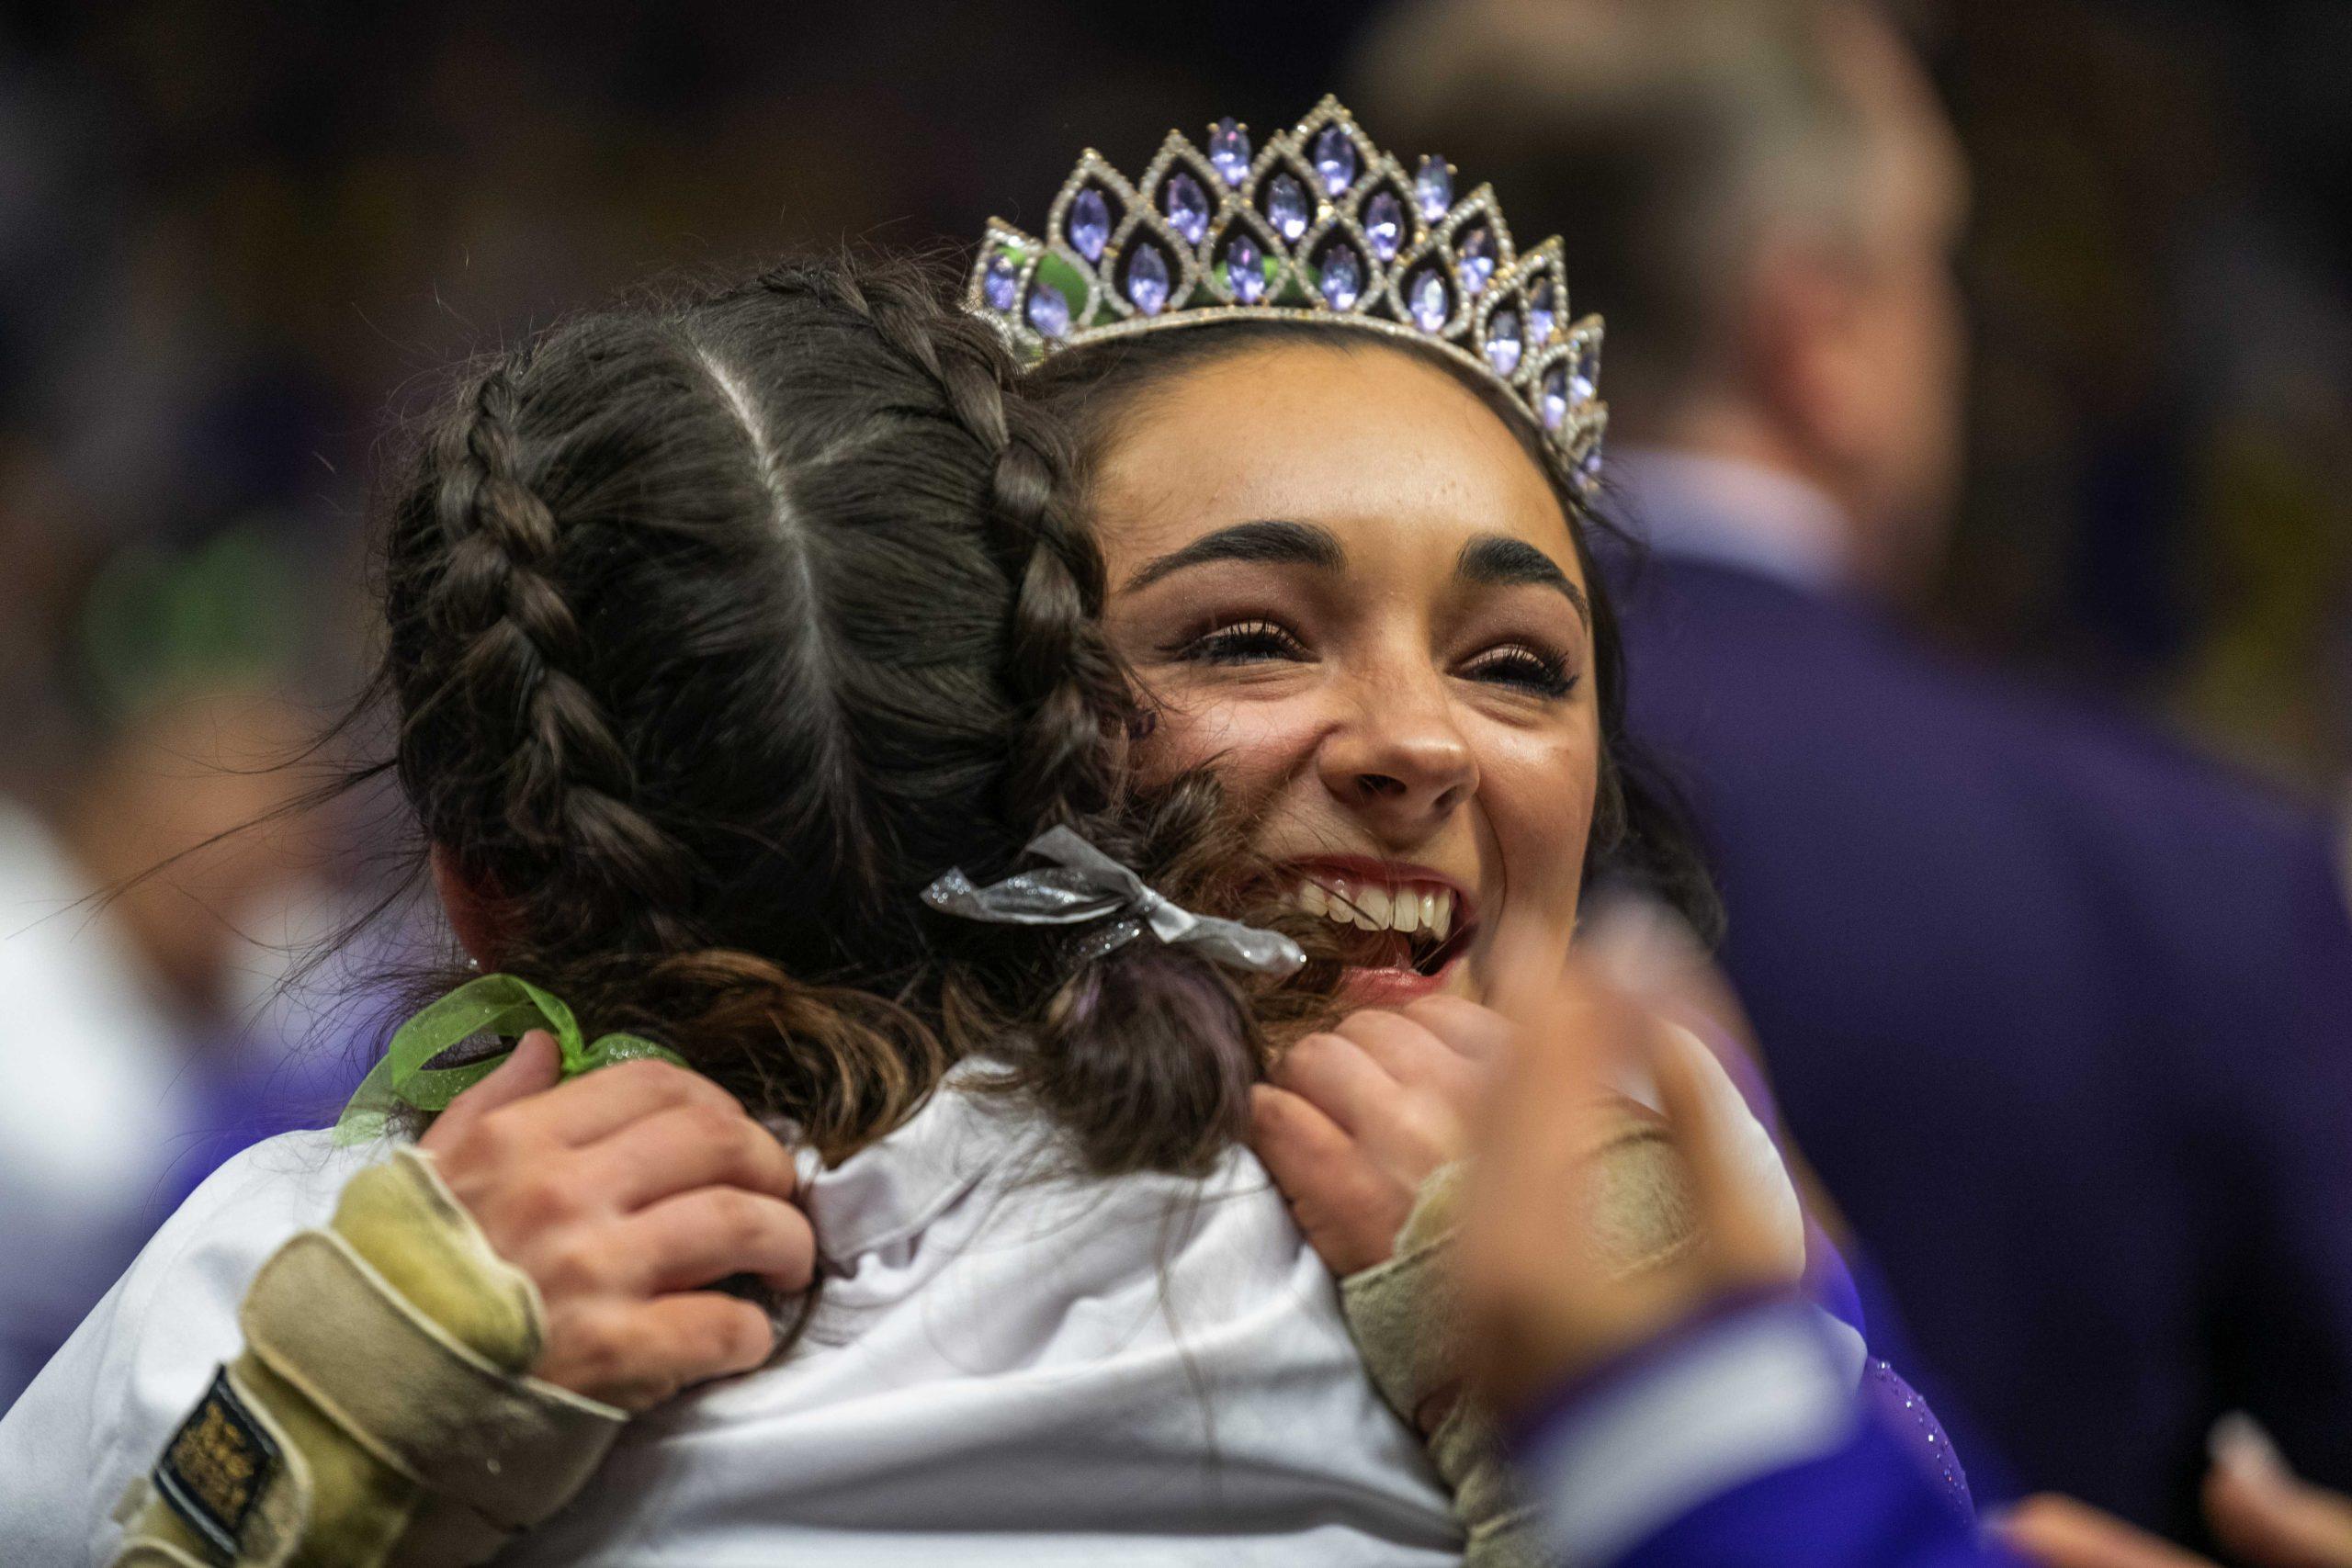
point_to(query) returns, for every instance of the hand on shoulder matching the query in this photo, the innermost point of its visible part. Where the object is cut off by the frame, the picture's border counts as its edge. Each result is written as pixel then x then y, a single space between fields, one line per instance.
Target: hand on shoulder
pixel 624 1194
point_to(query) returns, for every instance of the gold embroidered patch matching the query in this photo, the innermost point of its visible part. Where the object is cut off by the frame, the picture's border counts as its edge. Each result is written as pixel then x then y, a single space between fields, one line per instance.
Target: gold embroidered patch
pixel 217 1465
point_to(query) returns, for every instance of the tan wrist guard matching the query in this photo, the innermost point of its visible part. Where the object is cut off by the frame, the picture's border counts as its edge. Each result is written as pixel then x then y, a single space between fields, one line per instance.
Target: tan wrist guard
pixel 380 1412
pixel 1404 1315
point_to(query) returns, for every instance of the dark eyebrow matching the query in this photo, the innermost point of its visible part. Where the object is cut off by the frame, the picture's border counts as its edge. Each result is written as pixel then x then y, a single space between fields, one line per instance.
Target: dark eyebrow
pixel 1271 540
pixel 1504 562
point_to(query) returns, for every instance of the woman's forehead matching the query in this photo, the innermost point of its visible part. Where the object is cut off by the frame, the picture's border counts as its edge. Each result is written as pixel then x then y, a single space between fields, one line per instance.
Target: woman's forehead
pixel 1360 439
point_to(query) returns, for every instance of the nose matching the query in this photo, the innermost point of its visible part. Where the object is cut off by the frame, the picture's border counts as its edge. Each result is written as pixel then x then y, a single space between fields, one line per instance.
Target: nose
pixel 1400 763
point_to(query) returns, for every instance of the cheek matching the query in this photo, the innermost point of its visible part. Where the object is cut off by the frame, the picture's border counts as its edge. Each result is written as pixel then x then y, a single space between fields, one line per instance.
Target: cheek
pixel 1539 800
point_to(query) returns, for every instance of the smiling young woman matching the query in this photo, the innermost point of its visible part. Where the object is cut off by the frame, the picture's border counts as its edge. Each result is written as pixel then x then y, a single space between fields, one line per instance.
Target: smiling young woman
pixel 1353 586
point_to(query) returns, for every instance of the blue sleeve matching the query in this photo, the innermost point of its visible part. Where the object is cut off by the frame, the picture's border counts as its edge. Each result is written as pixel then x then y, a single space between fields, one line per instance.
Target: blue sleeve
pixel 1741 1438
pixel 1864 1503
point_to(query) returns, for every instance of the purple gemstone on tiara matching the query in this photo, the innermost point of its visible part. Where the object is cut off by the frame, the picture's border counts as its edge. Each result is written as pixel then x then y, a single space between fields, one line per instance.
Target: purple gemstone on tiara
pixel 1340 278
pixel 1286 206
pixel 1589 466
pixel 1543 312
pixel 1477 253
pixel 1244 273
pixel 1335 160
pixel 1090 223
pixel 1048 312
pixel 1504 344
pixel 1188 206
pixel 1148 280
pixel 1384 224
pixel 1000 282
pixel 1425 296
pixel 1229 151
pixel 1584 376
pixel 1553 404
pixel 1433 187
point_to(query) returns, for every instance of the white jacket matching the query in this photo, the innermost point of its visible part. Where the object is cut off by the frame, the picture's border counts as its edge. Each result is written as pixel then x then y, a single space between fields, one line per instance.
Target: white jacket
pixel 1008 1367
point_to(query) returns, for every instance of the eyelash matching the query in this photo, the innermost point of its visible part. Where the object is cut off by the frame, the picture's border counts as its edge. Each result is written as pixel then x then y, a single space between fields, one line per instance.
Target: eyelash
pixel 1530 669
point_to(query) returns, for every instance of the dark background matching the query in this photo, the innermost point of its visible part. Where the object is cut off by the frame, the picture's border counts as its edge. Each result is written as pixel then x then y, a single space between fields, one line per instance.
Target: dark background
pixel 230 233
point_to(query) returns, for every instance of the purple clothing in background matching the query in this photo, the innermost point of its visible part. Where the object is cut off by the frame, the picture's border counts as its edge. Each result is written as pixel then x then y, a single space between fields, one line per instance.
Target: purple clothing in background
pixel 2060 1014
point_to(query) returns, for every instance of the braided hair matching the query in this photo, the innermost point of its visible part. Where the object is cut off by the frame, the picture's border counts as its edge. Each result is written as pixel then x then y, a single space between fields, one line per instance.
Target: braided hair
pixel 720 627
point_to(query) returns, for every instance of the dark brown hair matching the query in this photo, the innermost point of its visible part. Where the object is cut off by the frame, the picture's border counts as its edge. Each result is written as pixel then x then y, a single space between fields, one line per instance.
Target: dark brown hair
pixel 721 626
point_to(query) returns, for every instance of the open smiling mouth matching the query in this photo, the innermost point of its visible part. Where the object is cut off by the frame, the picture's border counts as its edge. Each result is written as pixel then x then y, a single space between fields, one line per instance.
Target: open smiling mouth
pixel 1400 925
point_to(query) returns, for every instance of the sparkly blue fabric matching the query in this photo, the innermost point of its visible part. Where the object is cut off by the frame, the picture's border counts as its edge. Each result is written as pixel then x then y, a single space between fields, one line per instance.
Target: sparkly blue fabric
pixel 1865 1504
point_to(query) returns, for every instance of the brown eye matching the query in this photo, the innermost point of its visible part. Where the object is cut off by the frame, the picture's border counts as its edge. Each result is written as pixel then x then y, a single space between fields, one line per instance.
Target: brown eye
pixel 1522 668
pixel 1242 642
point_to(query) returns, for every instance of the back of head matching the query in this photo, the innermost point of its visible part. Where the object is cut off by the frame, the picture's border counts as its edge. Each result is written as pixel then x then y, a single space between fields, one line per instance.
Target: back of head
pixel 1660 136
pixel 718 629
pixel 1761 196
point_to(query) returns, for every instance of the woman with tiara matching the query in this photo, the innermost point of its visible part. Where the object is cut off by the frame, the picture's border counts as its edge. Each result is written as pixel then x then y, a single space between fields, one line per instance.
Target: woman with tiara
pixel 745 662
pixel 619 552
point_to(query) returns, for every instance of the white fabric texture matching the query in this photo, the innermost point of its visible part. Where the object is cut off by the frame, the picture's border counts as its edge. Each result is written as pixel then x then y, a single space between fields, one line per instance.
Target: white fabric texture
pixel 1007 1366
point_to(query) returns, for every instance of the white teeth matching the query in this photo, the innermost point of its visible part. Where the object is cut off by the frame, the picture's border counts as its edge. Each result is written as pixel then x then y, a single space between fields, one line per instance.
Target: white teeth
pixel 1378 907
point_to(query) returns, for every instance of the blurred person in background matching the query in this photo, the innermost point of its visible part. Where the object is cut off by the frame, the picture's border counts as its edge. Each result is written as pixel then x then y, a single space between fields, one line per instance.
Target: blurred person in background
pixel 133 1053
pixel 1617 1389
pixel 2059 1010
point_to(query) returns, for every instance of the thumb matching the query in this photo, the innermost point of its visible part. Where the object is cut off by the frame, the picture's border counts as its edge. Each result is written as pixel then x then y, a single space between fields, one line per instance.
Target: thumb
pixel 2263 1512
pixel 534 1067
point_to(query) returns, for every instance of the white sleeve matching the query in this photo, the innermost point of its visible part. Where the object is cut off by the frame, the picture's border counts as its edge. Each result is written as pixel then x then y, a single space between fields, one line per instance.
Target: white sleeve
pixel 99 1414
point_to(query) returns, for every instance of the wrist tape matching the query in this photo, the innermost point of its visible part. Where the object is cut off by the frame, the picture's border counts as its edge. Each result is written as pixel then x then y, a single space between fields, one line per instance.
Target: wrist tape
pixel 381 1411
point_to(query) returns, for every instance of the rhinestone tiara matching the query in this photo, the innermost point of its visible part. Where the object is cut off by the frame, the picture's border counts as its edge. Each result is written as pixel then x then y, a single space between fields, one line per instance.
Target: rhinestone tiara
pixel 1318 224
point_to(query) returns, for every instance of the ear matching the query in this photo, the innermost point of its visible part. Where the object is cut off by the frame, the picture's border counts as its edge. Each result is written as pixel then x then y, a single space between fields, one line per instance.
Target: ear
pixel 1810 356
pixel 468 901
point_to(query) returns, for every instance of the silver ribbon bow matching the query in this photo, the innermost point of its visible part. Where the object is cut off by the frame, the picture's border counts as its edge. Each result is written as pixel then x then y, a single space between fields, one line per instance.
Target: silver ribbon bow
pixel 1085 884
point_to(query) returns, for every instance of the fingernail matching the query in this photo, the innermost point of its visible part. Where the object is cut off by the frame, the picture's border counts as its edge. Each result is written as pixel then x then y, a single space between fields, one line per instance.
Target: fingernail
pixel 2238 1444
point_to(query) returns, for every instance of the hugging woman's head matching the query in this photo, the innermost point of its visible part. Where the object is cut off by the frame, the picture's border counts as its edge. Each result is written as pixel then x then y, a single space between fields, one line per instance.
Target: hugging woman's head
pixel 1353 580
pixel 719 627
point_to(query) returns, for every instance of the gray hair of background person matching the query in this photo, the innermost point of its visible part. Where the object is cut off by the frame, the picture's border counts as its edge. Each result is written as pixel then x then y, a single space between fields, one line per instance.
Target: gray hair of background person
pixel 1668 140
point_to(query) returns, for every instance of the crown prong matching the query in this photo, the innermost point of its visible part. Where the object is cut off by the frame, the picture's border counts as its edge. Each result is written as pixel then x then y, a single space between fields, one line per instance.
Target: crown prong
pixel 1336 268
pixel 1071 227
pixel 1341 155
pixel 1273 258
pixel 1387 177
pixel 1281 191
pixel 1166 282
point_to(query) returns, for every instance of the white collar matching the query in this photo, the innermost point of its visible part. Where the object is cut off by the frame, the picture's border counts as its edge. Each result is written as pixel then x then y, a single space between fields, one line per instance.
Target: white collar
pixel 1729 513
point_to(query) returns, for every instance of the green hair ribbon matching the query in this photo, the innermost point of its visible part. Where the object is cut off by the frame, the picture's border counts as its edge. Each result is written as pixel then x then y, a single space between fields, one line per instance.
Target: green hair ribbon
pixel 502 1005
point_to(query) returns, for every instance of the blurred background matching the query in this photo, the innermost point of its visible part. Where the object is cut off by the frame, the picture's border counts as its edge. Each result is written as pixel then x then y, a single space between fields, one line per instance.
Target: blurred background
pixel 235 239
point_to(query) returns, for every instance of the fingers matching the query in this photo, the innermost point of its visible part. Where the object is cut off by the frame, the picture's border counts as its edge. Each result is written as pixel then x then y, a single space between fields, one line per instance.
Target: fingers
pixel 1408 1133
pixel 695 1143
pixel 689 1241
pixel 2266 1514
pixel 594 1105
pixel 2058 1533
pixel 1733 1211
pixel 1350 1209
pixel 533 1068
pixel 1480 1033
pixel 639 1355
pixel 1415 1055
